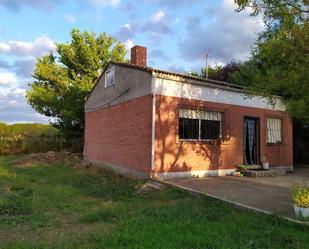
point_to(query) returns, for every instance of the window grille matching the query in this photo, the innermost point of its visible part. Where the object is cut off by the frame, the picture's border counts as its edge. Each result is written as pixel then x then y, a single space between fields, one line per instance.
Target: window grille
pixel 199 125
pixel 274 130
pixel 109 77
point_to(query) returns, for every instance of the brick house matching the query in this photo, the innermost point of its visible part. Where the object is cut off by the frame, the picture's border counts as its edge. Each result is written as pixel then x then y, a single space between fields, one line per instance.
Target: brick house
pixel 148 122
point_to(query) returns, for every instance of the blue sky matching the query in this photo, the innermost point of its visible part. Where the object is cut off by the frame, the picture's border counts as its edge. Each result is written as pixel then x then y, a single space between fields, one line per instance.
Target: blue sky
pixel 177 34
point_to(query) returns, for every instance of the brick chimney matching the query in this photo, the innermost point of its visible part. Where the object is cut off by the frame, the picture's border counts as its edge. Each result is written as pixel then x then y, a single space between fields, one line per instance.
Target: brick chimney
pixel 139 56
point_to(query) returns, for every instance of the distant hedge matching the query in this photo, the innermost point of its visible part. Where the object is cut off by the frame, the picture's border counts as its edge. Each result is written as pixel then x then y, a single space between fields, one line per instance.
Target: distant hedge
pixel 32 138
pixel 27 130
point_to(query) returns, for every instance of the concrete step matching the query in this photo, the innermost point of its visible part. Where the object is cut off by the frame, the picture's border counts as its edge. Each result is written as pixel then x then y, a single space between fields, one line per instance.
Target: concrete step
pixel 272 172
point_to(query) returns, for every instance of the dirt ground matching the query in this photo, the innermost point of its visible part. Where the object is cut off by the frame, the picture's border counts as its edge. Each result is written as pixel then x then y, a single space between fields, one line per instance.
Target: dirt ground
pixel 50 158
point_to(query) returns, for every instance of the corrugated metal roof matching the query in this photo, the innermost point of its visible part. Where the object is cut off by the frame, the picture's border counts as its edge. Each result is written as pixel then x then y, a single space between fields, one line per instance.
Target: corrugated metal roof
pixel 198 80
pixel 181 75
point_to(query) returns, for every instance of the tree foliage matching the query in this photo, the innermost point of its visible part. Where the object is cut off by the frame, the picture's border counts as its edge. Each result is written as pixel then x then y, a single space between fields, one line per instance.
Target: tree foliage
pixel 273 9
pixel 280 57
pixel 222 73
pixel 219 72
pixel 62 80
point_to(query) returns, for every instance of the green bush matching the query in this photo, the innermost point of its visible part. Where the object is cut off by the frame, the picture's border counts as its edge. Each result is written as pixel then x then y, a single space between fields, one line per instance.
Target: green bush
pixel 34 138
pixel 16 203
pixel 301 196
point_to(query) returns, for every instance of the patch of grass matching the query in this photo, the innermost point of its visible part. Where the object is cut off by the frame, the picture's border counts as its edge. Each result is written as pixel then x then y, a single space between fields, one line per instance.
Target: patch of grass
pixel 9 219
pixel 56 206
pixel 16 202
pixel 108 215
pixel 40 219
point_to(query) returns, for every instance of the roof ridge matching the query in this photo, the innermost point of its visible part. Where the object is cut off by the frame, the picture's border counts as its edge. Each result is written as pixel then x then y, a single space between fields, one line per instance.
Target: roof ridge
pixel 199 78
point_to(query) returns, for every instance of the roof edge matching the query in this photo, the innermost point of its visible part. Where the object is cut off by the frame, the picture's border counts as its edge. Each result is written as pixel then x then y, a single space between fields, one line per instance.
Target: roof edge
pixel 200 80
pixel 181 75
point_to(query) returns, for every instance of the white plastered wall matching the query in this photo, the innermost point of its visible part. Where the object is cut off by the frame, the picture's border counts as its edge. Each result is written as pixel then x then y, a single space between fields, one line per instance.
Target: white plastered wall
pixel 173 88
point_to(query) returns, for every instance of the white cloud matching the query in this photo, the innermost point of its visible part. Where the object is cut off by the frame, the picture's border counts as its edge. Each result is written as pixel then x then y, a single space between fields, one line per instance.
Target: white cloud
pixel 16 5
pixel 7 78
pixel 70 18
pixel 105 3
pixel 14 108
pixel 4 64
pixel 171 4
pixel 38 47
pixel 128 44
pixel 228 36
pixel 23 67
pixel 14 76
pixel 158 53
pixel 156 26
pixel 4 47
pixel 20 91
pixel 127 26
pixel 158 16
pixel 127 31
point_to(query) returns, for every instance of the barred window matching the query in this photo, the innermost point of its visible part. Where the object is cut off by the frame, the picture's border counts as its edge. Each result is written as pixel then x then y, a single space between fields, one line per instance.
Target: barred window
pixel 199 125
pixel 188 128
pixel 274 130
pixel 109 77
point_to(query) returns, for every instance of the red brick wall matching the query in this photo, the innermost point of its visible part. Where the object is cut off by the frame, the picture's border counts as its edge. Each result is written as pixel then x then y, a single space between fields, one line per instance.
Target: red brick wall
pixel 121 134
pixel 173 155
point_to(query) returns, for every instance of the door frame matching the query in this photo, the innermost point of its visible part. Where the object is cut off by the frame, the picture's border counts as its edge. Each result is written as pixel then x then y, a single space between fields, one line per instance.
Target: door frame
pixel 257 137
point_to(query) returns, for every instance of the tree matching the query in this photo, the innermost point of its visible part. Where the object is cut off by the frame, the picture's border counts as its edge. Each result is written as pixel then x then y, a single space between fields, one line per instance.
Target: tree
pixel 273 8
pixel 214 72
pixel 280 57
pixel 63 80
pixel 219 72
pixel 247 73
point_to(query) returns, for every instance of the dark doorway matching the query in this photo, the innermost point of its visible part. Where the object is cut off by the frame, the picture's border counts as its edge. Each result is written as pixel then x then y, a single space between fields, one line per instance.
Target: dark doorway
pixel 301 143
pixel 251 140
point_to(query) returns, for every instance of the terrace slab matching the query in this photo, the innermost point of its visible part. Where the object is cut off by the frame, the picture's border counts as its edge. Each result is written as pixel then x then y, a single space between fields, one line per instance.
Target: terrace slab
pixel 269 194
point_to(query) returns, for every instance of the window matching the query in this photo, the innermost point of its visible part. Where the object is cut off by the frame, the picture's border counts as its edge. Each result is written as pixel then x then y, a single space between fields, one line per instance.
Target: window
pixel 210 129
pixel 188 128
pixel 109 77
pixel 274 130
pixel 199 125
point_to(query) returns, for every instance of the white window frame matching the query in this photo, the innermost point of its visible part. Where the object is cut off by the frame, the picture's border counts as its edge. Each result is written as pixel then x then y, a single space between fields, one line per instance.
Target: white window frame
pixel 200 115
pixel 273 130
pixel 106 75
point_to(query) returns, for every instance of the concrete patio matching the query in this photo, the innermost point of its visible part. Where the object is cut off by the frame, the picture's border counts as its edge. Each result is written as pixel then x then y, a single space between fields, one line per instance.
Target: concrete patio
pixel 269 194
